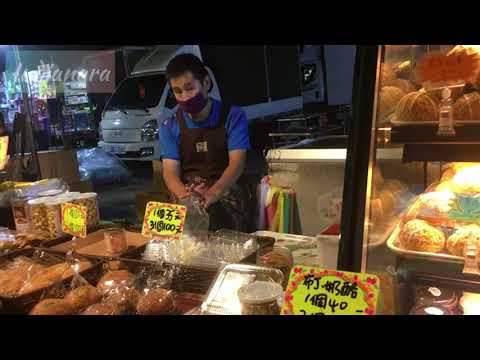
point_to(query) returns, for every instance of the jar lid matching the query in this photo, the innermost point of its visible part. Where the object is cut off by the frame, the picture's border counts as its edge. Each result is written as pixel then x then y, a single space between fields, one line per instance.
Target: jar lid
pixel 430 309
pixel 36 201
pixel 52 192
pixel 260 292
pixel 85 196
pixel 437 295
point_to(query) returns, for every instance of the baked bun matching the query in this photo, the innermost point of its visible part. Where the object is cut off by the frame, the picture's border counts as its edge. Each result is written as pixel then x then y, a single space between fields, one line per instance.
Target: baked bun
pixel 53 307
pixel 156 302
pixel 388 200
pixel 445 186
pixel 469 234
pixel 388 100
pixel 467 107
pixel 417 106
pixel 83 296
pixel 404 85
pixel 376 210
pixel 102 309
pixel 115 279
pixel 418 235
pixel 11 285
pixel 467 180
pixel 126 299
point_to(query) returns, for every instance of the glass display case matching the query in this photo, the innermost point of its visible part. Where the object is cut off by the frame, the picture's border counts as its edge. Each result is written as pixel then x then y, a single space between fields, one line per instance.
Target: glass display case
pixel 415 217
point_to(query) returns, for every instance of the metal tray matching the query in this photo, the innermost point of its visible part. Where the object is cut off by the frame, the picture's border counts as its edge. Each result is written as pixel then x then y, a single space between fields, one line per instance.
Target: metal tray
pixel 393 245
pixel 222 297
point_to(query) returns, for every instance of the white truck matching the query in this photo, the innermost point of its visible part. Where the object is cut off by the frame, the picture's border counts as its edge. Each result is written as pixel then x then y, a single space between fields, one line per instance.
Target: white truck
pixel 263 80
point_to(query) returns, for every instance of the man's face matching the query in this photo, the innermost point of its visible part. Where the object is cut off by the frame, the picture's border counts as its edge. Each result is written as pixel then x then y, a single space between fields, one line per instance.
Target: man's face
pixel 186 86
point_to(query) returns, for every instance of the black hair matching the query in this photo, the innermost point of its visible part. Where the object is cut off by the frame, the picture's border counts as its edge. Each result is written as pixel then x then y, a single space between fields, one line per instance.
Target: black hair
pixel 2 120
pixel 183 63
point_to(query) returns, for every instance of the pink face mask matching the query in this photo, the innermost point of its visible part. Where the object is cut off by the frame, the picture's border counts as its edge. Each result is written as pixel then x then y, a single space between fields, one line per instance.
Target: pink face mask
pixel 194 105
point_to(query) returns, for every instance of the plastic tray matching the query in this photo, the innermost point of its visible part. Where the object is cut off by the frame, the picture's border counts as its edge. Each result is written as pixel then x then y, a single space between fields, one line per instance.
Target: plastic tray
pixel 393 245
pixel 222 297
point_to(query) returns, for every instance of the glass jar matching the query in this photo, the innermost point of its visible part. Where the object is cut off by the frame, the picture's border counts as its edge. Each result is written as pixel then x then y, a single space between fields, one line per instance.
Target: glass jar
pixel 279 258
pixel 260 298
pixel 116 240
pixel 38 216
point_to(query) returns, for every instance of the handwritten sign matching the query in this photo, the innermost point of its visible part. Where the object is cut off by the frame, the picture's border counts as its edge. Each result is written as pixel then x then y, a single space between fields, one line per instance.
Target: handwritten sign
pixel 314 291
pixel 164 220
pixel 3 151
pixel 74 220
pixel 455 66
pixel 465 208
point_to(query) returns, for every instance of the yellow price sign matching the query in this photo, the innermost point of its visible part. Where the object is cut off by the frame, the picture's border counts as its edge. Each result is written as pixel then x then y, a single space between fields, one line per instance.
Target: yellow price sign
pixel 3 151
pixel 314 291
pixel 164 220
pixel 74 220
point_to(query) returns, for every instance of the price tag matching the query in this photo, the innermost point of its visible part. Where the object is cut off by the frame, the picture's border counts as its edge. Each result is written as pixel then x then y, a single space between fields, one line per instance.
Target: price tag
pixel 456 66
pixel 314 291
pixel 3 151
pixel 164 220
pixel 74 220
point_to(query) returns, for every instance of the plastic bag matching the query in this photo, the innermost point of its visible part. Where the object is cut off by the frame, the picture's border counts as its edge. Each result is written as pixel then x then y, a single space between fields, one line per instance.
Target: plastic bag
pixel 197 220
pixel 100 167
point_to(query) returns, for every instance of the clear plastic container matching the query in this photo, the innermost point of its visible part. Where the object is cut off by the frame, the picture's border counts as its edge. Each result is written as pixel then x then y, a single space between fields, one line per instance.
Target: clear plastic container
pixel 116 240
pixel 54 217
pixel 38 216
pixel 279 258
pixel 20 214
pixel 260 298
pixel 89 200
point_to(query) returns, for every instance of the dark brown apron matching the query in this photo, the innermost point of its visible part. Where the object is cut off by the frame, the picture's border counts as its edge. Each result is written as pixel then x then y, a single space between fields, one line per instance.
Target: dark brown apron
pixel 204 158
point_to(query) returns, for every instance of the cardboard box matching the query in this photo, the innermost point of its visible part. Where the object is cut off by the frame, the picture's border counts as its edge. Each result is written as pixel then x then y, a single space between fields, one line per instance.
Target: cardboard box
pixel 81 186
pixel 61 164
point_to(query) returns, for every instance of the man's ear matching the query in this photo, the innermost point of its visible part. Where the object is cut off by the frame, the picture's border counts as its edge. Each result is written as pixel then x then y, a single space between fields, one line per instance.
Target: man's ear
pixel 207 83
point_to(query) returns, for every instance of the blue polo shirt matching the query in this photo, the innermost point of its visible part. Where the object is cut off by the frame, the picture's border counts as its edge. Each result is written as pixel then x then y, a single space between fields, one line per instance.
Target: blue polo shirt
pixel 236 125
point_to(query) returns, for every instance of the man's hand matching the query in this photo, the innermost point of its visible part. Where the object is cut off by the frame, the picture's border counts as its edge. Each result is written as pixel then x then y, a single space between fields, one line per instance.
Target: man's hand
pixel 211 197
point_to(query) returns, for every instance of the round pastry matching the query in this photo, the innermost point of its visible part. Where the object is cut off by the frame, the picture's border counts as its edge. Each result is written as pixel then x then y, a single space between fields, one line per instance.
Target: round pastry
pixel 376 210
pixel 126 299
pixel 388 200
pixel 448 173
pixel 433 206
pixel 389 97
pixel 467 107
pixel 404 69
pixel 416 106
pixel 83 296
pixel 445 186
pixel 387 73
pixel 102 309
pixel 115 279
pixel 469 234
pixel 52 307
pixel 467 180
pixel 396 187
pixel 418 235
pixel 404 85
pixel 155 302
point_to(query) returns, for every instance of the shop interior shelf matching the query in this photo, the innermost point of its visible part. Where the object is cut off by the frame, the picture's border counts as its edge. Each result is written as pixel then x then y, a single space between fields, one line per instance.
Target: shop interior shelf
pixel 458 151
pixel 428 133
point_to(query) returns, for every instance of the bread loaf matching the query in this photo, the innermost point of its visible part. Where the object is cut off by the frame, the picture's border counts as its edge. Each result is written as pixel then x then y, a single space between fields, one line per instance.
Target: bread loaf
pixel 52 307
pixel 102 309
pixel 417 106
pixel 115 279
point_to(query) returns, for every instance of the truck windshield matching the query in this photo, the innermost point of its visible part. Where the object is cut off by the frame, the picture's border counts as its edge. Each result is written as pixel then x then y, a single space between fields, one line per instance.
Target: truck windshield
pixel 139 92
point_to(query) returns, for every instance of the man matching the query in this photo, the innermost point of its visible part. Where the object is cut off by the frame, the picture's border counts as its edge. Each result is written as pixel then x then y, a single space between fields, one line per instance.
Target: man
pixel 204 146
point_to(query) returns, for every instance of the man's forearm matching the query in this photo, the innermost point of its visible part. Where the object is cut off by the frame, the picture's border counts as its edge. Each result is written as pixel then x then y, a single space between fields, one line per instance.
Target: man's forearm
pixel 175 185
pixel 229 177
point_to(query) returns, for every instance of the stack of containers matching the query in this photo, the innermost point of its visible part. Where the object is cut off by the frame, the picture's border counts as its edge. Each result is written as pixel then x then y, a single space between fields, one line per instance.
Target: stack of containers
pixel 45 212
